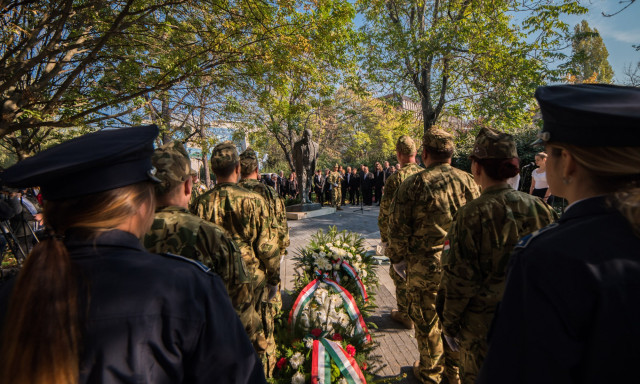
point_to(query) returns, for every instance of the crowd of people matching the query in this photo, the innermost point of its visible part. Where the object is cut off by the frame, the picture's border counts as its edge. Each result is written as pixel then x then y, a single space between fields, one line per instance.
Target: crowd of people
pixel 143 275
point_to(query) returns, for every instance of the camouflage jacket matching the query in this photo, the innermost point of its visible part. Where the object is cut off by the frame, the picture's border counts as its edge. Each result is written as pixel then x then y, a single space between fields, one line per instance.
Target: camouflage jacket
pixel 421 215
pixel 335 180
pixel 175 230
pixel 277 210
pixel 390 188
pixel 245 216
pixel 198 189
pixel 477 253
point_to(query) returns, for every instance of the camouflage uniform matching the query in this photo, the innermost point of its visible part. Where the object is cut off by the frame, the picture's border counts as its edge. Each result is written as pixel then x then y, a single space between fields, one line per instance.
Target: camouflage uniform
pixel 336 189
pixel 421 214
pixel 278 221
pixel 477 252
pixel 405 145
pixel 197 190
pixel 245 215
pixel 175 230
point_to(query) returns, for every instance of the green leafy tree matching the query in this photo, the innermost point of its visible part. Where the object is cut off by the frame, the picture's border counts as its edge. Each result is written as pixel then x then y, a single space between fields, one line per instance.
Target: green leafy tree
pixel 589 56
pixel 465 58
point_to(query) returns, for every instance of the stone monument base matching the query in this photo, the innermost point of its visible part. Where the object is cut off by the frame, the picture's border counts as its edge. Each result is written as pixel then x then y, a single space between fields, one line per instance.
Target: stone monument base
pixel 304 207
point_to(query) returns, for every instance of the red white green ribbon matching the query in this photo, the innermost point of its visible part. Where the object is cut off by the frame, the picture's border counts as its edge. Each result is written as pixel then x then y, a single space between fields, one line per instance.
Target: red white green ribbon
pixel 326 350
pixel 351 308
pixel 320 364
pixel 301 302
pixel 351 271
pixel 347 300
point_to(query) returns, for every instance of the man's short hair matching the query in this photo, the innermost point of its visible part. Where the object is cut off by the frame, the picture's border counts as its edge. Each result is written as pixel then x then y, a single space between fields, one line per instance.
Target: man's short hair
pixel 224 159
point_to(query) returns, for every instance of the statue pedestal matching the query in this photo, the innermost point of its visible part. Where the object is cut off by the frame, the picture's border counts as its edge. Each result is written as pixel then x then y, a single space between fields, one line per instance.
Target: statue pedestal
pixel 304 207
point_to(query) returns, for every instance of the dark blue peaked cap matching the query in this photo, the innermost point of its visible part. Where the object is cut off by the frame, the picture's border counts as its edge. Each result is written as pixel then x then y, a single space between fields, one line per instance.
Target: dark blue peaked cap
pixel 590 115
pixel 92 163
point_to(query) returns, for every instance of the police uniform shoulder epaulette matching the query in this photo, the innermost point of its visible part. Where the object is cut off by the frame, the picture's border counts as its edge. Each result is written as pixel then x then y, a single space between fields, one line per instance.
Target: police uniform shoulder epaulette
pixel 524 242
pixel 182 258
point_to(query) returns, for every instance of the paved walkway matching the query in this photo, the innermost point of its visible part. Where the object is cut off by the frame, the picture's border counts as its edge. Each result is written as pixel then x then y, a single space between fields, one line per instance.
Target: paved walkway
pixel 397 346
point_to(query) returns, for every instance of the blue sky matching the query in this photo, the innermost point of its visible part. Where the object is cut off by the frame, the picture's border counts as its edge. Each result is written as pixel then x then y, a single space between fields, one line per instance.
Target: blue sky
pixel 618 32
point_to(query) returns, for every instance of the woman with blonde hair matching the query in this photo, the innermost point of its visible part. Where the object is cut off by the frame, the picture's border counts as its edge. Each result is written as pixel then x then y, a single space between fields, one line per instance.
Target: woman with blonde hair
pixel 570 312
pixel 90 304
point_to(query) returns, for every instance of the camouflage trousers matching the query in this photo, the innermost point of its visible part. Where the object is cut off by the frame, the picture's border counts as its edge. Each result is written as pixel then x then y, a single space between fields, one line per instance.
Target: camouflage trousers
pixel 428 332
pixel 336 197
pixel 269 311
pixel 472 354
pixel 401 292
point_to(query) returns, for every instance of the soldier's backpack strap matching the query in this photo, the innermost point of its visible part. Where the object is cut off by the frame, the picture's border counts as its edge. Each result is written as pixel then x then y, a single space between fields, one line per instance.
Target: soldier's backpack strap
pixel 194 262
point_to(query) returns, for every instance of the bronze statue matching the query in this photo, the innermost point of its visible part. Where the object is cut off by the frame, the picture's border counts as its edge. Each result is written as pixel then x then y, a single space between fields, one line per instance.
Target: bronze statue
pixel 305 153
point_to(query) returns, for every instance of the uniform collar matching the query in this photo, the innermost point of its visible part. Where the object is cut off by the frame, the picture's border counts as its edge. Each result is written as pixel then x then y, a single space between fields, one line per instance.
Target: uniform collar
pixel 587 207
pixel 495 188
pixel 113 238
pixel 171 208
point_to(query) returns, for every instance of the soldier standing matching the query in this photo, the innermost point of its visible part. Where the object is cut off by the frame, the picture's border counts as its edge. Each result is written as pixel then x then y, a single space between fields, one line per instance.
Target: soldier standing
pixel 421 214
pixel 278 216
pixel 245 215
pixel 477 249
pixel 406 155
pixel 175 230
pixel 335 180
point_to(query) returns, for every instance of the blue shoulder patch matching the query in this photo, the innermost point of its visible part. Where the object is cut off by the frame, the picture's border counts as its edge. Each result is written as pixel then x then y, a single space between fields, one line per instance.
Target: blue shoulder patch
pixel 524 242
pixel 194 262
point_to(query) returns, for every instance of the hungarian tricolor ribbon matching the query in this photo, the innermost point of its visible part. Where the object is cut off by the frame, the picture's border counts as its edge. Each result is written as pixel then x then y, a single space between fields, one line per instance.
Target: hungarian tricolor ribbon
pixel 348 268
pixel 347 300
pixel 326 350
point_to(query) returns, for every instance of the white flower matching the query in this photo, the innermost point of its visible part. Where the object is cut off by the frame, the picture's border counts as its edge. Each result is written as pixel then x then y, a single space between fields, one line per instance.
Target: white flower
pixel 296 360
pixel 353 249
pixel 323 263
pixel 321 317
pixel 315 255
pixel 329 245
pixel 338 243
pixel 343 381
pixel 363 274
pixel 322 254
pixel 336 301
pixel 304 319
pixel 298 378
pixel 308 342
pixel 344 319
pixel 336 265
pixel 320 295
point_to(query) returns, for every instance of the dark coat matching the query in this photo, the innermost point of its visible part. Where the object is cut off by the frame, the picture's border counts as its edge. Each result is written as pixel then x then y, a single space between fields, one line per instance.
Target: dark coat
pixel 571 307
pixel 354 182
pixel 155 319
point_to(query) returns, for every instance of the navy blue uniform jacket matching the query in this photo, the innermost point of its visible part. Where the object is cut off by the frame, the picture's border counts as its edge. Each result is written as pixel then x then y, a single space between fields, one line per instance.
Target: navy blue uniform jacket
pixel 571 308
pixel 155 319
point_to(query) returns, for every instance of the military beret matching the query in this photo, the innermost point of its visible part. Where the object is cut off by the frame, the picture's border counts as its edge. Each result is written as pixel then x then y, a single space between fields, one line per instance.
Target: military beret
pixel 95 162
pixel 172 164
pixel 405 145
pixel 438 140
pixel 492 144
pixel 224 155
pixel 590 115
pixel 248 161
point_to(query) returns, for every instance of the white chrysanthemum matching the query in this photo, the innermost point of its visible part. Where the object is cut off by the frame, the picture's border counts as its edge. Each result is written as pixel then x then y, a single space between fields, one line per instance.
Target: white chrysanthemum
pixel 336 301
pixel 308 342
pixel 298 378
pixel 322 254
pixel 344 319
pixel 322 263
pixel 296 360
pixel 353 249
pixel 320 295
pixel 363 274
pixel 329 245
pixel 315 255
pixel 338 243
pixel 343 381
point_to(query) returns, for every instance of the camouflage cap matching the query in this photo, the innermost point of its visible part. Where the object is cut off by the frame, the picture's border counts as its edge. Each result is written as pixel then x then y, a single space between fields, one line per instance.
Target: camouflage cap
pixel 438 140
pixel 405 145
pixel 491 144
pixel 172 164
pixel 224 155
pixel 248 161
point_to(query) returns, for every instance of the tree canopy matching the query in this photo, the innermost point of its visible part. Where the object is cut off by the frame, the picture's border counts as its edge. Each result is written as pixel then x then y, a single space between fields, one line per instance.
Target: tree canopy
pixel 589 56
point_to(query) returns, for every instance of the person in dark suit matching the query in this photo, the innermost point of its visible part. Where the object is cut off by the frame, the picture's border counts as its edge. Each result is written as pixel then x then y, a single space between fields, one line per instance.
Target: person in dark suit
pixel 345 183
pixel 367 184
pixel 378 182
pixel 326 188
pixel 318 185
pixel 570 310
pixel 354 187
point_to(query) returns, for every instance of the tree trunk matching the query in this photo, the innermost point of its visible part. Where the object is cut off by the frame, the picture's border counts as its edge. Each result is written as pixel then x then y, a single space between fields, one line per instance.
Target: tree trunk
pixel 203 148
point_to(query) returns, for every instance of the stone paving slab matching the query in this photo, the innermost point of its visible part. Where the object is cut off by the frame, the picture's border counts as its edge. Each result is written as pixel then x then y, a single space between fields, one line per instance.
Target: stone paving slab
pixel 397 348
